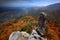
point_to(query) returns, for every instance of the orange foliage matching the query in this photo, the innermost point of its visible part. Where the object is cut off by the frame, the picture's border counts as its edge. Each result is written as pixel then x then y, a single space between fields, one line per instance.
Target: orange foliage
pixel 9 26
pixel 53 31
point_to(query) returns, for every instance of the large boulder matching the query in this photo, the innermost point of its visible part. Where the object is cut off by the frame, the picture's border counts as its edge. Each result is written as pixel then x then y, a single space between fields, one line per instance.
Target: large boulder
pixel 17 35
pixel 34 36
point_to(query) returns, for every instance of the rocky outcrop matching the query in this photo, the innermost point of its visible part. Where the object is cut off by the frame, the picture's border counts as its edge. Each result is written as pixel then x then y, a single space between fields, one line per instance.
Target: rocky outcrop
pixel 35 36
pixel 17 35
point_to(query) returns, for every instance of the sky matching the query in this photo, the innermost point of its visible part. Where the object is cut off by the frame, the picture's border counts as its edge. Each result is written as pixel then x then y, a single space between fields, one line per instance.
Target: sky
pixel 27 3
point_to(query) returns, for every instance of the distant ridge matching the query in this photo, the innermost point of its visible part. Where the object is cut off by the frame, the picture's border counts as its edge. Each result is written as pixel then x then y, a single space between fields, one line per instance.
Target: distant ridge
pixel 52 10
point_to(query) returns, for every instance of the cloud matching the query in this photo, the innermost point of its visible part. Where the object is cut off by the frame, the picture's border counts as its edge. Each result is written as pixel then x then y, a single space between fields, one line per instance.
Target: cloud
pixel 18 3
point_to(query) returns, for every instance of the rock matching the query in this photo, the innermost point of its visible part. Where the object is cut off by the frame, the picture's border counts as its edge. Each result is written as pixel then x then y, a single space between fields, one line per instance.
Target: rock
pixel 34 36
pixel 17 35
